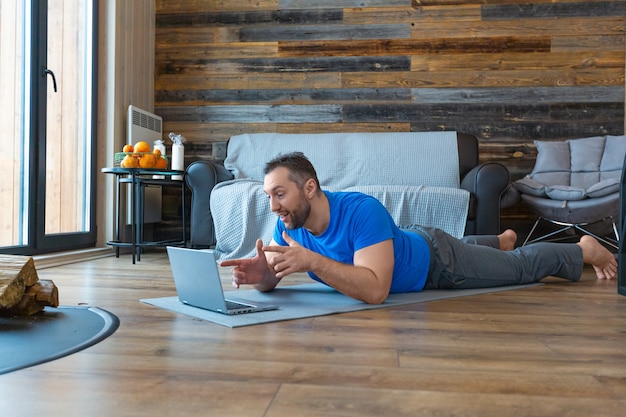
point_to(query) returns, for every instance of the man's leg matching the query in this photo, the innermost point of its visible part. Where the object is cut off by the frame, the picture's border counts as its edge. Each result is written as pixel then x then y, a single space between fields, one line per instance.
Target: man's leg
pixel 462 265
pixel 504 241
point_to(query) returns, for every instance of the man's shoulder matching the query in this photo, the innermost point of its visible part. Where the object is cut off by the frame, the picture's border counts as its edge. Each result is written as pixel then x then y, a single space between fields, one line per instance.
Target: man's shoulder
pixel 352 200
pixel 350 196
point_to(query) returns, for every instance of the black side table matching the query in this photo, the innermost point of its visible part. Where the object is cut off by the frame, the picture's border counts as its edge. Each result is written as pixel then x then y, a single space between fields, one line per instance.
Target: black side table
pixel 138 179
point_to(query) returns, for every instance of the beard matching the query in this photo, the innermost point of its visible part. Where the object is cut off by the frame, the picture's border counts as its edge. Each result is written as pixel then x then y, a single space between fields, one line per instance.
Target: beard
pixel 299 215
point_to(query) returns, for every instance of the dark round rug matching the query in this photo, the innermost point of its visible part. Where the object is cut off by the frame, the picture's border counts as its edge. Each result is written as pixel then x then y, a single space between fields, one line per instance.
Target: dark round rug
pixel 52 334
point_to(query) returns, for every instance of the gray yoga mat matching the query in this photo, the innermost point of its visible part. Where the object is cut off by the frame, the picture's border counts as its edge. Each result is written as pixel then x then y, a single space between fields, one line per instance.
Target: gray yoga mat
pixel 308 300
pixel 52 334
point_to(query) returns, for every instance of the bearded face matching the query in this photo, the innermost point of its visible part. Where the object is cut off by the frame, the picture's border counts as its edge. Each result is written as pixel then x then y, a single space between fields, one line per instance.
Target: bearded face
pixel 287 199
pixel 295 218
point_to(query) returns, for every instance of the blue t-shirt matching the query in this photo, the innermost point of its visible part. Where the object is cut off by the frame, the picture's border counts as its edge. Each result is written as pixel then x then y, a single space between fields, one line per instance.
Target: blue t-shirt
pixel 357 221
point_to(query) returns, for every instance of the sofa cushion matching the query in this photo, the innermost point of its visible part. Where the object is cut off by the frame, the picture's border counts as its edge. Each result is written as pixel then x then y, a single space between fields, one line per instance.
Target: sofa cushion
pixel 552 156
pixel 441 207
pixel 553 163
pixel 527 185
pixel 565 192
pixel 604 187
pixel 344 160
pixel 613 158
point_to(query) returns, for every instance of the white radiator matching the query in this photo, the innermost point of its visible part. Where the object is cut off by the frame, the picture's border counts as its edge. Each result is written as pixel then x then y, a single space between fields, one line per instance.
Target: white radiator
pixel 146 126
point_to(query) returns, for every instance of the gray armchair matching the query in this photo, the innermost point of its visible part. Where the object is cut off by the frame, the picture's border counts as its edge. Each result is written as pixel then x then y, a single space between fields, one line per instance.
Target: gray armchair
pixel 574 184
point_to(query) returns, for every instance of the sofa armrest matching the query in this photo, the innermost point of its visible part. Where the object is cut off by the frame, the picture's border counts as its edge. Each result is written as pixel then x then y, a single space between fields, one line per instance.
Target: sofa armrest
pixel 486 183
pixel 201 177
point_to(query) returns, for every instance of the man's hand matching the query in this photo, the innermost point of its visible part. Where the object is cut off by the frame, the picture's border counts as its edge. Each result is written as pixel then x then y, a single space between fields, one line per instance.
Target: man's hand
pixel 252 270
pixel 289 259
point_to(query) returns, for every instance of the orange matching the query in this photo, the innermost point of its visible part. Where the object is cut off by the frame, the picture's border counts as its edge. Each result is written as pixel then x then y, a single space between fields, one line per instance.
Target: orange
pixel 128 148
pixel 129 162
pixel 161 163
pixel 156 152
pixel 142 147
pixel 147 161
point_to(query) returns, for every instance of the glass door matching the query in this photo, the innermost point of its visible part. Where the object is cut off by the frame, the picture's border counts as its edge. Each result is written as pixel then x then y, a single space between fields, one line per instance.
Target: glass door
pixel 14 120
pixel 49 155
pixel 68 119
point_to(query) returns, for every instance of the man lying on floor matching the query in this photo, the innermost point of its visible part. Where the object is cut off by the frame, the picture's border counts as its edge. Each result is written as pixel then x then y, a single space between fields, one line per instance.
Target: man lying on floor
pixel 349 241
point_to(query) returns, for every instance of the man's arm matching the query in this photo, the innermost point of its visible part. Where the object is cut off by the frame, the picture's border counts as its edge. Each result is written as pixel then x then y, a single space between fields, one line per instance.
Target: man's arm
pixel 368 280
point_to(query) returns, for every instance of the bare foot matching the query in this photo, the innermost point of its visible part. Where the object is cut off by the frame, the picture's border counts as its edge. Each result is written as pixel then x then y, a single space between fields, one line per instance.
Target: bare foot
pixel 508 238
pixel 599 257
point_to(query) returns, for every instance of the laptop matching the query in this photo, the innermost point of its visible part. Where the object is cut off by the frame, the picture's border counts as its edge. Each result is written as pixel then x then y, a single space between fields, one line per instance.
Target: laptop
pixel 198 283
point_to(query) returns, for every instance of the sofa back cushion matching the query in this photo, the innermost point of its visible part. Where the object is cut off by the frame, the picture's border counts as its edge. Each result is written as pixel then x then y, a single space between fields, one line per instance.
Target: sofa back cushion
pixel 442 207
pixel 344 160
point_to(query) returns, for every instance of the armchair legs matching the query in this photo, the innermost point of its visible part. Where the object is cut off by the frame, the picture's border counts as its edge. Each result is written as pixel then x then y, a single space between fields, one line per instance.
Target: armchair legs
pixel 574 226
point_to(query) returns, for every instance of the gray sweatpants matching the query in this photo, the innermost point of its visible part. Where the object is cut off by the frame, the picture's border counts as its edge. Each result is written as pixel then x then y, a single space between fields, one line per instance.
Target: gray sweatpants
pixel 477 261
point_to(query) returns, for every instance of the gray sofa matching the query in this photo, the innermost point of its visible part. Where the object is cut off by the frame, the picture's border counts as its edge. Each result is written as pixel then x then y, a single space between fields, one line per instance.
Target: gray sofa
pixel 428 178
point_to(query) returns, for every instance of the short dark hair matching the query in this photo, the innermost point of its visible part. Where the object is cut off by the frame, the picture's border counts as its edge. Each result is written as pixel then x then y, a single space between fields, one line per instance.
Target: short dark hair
pixel 299 167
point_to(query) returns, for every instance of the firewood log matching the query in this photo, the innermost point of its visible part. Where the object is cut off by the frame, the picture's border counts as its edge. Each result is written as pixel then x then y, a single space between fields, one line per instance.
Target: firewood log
pixel 21 291
pixel 27 306
pixel 11 289
pixel 43 293
pixel 23 265
pixel 16 274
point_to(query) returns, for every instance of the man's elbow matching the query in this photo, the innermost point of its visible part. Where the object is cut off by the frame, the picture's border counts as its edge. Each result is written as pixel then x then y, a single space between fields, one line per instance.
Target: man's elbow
pixel 262 289
pixel 265 286
pixel 377 297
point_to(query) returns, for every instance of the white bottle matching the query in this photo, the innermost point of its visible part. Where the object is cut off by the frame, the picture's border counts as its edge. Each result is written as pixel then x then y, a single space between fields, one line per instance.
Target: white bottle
pixel 178 159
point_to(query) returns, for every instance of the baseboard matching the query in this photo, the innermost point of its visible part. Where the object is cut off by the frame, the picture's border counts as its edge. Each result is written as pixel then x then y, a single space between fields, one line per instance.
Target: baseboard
pixel 64 258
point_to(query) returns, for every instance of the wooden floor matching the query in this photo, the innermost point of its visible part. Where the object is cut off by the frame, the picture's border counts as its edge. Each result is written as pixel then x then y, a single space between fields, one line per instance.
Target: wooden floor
pixel 553 350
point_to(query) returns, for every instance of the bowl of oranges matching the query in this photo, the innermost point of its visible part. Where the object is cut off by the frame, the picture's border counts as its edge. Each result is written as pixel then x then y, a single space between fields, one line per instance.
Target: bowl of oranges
pixel 140 155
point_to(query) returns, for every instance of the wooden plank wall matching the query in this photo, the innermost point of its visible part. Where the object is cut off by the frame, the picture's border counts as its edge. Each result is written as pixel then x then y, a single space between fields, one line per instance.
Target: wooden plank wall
pixel 509 72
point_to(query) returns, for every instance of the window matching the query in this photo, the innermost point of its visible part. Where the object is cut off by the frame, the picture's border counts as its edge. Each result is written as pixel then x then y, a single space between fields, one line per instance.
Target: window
pixel 48 101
